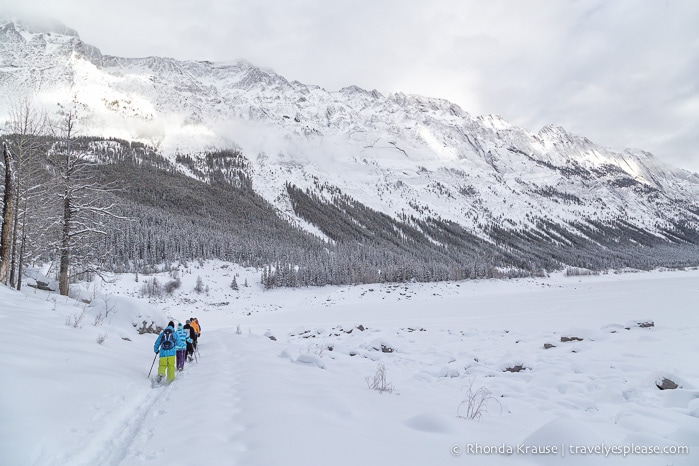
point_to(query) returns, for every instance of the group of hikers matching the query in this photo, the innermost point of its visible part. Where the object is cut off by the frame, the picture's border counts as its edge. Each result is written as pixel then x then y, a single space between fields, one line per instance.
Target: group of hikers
pixel 175 346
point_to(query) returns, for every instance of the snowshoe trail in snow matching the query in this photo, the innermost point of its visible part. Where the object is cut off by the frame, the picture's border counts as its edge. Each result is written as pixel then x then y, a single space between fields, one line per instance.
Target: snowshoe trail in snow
pixel 202 399
pixel 162 424
pixel 121 425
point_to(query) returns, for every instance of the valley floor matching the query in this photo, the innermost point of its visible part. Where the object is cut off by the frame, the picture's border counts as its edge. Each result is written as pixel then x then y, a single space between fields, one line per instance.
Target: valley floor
pixel 282 376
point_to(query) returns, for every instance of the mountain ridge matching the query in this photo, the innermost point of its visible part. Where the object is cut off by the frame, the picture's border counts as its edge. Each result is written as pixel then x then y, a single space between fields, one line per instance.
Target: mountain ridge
pixel 407 156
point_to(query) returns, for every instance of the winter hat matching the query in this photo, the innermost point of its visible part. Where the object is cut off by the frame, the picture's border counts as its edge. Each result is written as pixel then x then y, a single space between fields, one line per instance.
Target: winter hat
pixel 179 325
pixel 171 324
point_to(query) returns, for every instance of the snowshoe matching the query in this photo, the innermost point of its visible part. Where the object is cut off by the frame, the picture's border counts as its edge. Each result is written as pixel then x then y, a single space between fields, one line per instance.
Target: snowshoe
pixel 156 381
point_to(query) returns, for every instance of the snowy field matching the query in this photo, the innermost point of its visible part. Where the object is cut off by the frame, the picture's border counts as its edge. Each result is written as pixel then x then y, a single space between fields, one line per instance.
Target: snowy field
pixel 283 376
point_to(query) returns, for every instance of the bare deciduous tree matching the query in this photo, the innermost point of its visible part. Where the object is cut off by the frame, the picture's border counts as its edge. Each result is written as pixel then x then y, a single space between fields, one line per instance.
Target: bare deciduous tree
pixel 84 204
pixel 27 125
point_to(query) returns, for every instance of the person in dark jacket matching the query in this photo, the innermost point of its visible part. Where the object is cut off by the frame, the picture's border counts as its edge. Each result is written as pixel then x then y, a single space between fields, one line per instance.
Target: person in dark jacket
pixel 191 343
pixel 197 330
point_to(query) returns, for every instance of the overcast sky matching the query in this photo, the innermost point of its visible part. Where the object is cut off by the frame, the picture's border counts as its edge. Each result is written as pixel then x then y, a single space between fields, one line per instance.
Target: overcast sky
pixel 624 73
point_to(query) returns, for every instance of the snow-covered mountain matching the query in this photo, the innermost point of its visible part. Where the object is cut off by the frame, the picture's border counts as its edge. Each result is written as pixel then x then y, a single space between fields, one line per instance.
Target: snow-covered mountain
pixel 403 155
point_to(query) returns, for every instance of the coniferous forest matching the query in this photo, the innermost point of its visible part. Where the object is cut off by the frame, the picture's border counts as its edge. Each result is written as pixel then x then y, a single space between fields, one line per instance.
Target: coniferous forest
pixel 135 211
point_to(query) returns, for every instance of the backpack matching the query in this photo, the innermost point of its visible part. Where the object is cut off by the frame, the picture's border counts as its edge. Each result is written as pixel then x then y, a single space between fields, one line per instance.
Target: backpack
pixel 167 342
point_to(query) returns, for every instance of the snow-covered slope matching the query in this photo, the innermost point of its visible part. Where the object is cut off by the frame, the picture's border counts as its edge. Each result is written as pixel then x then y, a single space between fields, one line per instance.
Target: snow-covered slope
pixel 404 155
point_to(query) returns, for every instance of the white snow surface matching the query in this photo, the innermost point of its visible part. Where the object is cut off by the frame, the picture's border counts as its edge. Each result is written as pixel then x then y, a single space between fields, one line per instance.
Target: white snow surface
pixel 281 378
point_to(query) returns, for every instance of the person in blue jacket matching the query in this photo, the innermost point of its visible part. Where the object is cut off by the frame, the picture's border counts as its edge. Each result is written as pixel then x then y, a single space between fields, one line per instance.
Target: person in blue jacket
pixel 181 347
pixel 166 346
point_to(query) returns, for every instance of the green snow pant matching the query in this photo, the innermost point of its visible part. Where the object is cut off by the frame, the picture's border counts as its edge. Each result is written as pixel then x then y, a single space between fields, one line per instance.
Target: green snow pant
pixel 167 363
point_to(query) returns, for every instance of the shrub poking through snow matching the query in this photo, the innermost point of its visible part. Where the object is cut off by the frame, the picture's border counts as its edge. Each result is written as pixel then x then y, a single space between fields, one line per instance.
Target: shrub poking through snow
pixel 101 337
pixel 379 382
pixel 475 405
pixel 108 308
pixel 75 320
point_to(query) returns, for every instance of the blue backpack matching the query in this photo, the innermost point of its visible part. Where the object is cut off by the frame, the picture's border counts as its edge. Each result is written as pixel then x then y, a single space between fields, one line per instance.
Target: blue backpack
pixel 167 342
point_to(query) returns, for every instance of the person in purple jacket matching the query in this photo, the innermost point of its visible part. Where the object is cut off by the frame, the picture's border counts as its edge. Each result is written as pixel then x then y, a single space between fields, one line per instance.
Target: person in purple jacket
pixel 166 346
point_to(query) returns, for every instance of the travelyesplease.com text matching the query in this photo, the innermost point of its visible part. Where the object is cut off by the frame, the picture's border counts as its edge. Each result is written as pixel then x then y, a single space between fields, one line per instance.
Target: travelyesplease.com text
pixel 568 450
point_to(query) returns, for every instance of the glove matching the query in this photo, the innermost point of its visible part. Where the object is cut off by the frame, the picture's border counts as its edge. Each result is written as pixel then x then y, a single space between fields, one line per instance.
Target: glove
pixel 157 351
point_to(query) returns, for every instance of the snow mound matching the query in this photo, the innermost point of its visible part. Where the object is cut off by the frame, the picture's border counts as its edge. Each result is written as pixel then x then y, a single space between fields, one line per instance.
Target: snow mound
pixel 428 422
pixel 310 360
pixel 126 314
pixel 563 433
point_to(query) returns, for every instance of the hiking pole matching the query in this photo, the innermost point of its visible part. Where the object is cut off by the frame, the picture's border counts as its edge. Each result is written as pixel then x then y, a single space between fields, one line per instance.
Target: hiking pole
pixel 151 366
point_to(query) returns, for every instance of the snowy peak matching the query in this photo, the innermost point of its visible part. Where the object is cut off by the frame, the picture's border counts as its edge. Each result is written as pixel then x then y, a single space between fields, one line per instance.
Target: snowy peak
pixel 554 134
pixel 28 40
pixel 350 91
pixel 45 26
pixel 494 122
pixel 35 33
pixel 256 78
pixel 413 103
pixel 9 34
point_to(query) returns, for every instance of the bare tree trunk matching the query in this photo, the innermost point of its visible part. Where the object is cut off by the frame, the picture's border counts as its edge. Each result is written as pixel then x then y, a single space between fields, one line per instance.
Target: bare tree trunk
pixel 15 222
pixel 63 286
pixel 66 222
pixel 7 216
pixel 20 265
